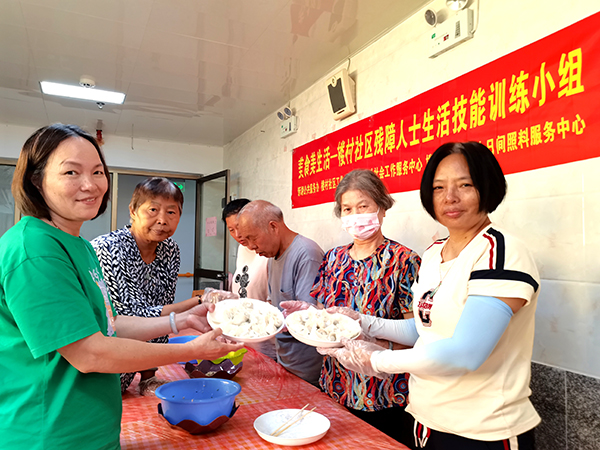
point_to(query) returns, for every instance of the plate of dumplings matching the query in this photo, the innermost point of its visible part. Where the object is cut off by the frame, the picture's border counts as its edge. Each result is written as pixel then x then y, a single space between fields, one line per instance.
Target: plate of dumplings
pixel 246 320
pixel 318 328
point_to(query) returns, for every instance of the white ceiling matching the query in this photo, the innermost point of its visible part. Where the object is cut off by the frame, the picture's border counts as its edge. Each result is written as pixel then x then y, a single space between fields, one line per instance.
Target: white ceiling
pixel 194 71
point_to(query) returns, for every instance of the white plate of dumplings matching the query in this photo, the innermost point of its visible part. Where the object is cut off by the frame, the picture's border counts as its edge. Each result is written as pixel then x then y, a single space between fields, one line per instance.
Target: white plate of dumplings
pixel 318 328
pixel 246 320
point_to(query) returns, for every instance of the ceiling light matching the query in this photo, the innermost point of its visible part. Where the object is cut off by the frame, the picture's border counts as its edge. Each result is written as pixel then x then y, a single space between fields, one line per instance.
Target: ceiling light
pixel 456 5
pixel 82 93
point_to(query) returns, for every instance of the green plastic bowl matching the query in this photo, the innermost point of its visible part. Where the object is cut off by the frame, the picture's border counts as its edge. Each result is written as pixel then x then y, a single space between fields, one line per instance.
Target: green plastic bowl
pixel 235 357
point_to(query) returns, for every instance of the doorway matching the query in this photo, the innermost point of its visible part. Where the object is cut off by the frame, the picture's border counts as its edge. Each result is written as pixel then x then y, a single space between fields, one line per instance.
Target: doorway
pixel 212 245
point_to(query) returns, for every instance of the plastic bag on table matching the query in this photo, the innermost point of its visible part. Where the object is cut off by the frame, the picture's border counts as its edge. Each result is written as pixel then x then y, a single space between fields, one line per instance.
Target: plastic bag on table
pixel 149 385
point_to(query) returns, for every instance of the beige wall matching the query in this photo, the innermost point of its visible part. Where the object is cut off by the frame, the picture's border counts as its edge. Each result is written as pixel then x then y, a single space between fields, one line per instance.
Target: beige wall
pixel 555 210
pixel 145 154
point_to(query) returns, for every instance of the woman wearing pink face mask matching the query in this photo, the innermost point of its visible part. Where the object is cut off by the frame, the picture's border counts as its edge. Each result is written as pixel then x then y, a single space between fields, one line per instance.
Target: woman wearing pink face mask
pixel 372 275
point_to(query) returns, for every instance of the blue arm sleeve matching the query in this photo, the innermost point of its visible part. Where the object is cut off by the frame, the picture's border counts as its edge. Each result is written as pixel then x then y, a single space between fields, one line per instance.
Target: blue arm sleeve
pixel 480 327
pixel 402 331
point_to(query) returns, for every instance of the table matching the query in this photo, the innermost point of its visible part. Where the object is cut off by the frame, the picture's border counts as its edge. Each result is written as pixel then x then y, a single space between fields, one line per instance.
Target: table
pixel 266 386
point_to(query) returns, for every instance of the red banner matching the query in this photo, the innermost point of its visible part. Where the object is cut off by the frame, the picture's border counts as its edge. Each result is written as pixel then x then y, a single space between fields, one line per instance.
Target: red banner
pixel 536 107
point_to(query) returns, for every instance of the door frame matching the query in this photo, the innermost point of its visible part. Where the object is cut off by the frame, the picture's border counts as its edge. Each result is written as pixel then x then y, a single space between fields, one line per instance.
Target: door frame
pixel 223 275
pixel 114 187
pixel 12 162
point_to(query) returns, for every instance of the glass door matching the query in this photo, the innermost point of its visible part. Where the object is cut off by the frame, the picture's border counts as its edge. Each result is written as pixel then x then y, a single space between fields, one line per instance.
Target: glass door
pixel 7 202
pixel 212 245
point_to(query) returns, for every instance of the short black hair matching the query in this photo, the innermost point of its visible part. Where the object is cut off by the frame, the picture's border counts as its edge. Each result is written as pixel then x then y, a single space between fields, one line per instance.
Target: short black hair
pixel 484 169
pixel 234 207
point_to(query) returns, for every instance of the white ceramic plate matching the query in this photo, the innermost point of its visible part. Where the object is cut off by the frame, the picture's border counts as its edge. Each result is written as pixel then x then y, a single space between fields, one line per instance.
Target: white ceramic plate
pixel 310 429
pixel 215 322
pixel 319 342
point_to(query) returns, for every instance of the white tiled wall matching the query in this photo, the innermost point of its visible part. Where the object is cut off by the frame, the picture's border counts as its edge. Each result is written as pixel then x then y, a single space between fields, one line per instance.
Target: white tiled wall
pixel 555 210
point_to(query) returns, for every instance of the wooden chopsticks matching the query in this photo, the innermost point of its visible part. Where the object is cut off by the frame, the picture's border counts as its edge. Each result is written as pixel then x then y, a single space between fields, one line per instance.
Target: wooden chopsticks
pixel 274 433
pixel 288 423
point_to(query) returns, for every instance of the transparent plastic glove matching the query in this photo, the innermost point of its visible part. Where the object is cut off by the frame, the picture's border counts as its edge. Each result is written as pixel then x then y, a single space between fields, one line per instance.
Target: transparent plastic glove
pixel 216 295
pixel 365 337
pixel 291 306
pixel 355 356
pixel 354 315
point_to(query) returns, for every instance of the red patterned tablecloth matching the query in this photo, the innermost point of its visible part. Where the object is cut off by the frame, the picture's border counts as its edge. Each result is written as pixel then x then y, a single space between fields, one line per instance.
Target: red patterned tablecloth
pixel 266 386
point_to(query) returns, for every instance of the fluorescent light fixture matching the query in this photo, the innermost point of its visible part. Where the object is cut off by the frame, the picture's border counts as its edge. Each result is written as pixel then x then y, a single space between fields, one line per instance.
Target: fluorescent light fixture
pixel 82 93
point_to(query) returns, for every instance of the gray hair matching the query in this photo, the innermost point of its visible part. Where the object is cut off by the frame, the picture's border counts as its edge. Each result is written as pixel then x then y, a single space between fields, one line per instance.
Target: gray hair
pixel 367 182
pixel 260 213
pixel 153 187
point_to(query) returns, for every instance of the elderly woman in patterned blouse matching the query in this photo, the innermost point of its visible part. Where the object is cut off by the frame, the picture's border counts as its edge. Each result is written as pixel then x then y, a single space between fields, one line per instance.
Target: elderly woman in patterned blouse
pixel 140 262
pixel 372 275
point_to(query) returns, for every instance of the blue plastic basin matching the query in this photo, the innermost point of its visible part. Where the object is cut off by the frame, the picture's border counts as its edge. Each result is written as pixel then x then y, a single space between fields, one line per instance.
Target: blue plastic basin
pixel 199 399
pixel 183 340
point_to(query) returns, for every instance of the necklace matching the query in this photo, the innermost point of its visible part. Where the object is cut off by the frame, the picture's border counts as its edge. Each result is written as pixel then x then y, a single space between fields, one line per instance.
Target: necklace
pixel 57 227
pixel 426 302
pixel 461 247
pixel 431 293
pixel 442 278
pixel 51 223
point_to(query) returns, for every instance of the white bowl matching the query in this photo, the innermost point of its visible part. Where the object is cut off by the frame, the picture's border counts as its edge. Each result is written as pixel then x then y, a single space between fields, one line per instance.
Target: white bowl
pixel 314 342
pixel 310 429
pixel 214 322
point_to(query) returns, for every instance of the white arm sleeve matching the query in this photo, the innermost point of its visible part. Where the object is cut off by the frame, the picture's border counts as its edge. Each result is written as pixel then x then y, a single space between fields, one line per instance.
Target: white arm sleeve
pixel 402 331
pixel 477 332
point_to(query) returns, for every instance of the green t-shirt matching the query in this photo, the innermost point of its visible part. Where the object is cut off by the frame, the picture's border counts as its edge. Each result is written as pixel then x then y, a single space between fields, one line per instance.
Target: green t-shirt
pixel 52 294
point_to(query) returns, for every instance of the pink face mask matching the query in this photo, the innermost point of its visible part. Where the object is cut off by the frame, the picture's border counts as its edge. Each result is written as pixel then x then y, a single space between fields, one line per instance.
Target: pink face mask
pixel 361 226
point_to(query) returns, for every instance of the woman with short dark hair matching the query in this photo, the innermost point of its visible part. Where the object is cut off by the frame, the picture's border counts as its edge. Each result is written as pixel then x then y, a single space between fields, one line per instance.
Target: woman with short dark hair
pixel 140 261
pixel 473 334
pixel 485 171
pixel 60 354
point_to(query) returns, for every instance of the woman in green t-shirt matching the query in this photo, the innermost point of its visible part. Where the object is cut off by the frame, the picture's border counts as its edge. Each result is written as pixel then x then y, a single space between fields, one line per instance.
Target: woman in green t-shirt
pixel 60 354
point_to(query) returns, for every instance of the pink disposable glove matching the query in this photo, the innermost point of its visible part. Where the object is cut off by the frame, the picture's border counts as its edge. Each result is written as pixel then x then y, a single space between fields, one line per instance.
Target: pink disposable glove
pixel 354 315
pixel 355 356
